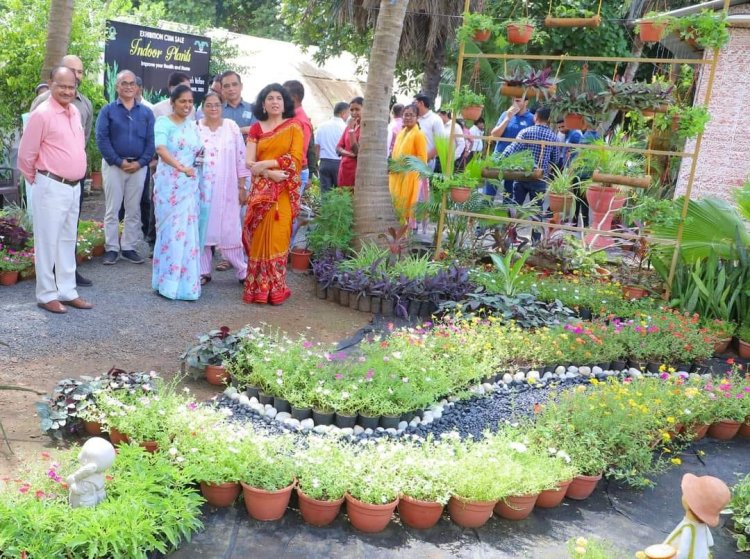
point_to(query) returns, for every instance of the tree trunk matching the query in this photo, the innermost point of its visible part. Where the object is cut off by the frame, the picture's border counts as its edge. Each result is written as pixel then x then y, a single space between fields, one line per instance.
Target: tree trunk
pixel 373 208
pixel 433 70
pixel 59 23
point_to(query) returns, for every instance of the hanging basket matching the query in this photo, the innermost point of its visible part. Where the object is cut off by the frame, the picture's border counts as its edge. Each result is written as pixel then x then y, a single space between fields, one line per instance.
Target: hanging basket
pixel 651 32
pixel 635 182
pixel 534 175
pixel 482 35
pixel 527 92
pixel 574 121
pixel 519 34
pixel 460 194
pixel 594 21
pixel 472 112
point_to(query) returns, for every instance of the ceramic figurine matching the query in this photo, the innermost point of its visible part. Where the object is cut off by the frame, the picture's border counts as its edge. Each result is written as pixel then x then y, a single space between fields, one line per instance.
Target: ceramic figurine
pixel 703 498
pixel 86 485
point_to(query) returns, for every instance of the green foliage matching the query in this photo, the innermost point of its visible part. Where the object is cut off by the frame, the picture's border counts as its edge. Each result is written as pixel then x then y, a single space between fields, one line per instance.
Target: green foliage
pixel 466 98
pixel 589 548
pixel 561 181
pixel 322 468
pixel 509 272
pixel 609 161
pixel 213 348
pixel 473 22
pixel 740 506
pixel 743 333
pixel 150 506
pixel 708 28
pixel 333 227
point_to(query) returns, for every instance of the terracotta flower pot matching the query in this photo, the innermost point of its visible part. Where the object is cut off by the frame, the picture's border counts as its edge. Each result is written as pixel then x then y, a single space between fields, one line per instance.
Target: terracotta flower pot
pixel 744 431
pixel 574 121
pixel 216 375
pixel 604 203
pixel 318 513
pixel 300 258
pixel 560 204
pixel 720 346
pixel 97 181
pixel 582 487
pixel 552 498
pixel 369 518
pixel 266 505
pixel 696 431
pixel 633 292
pixel 8 278
pixel 651 32
pixel 115 437
pixel 92 427
pixel 419 514
pixel 460 194
pixel 519 34
pixel 516 507
pixel 98 250
pixel 724 429
pixel 150 446
pixel 743 349
pixel 482 35
pixel 470 514
pixel 220 494
pixel 472 112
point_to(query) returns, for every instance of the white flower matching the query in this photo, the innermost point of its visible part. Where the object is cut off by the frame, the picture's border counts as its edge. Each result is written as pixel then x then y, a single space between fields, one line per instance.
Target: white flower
pixel 564 455
pixel 518 447
pixel 552 450
pixel 179 459
pixel 405 379
pixel 279 372
pixel 316 483
pixel 173 451
pixel 279 381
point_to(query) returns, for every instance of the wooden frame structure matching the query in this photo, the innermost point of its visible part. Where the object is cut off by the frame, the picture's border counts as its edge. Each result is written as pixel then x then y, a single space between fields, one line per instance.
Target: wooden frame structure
pixel 711 63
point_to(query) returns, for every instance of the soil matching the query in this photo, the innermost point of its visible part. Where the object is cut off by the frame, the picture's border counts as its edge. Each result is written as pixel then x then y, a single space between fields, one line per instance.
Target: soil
pixel 132 328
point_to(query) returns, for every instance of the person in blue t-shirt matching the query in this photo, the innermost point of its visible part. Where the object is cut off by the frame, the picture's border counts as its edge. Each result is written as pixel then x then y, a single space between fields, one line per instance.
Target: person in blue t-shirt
pixel 509 125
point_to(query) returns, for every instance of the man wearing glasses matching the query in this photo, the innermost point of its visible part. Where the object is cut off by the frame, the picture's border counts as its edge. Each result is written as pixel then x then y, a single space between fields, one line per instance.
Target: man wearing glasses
pixel 508 126
pixel 125 136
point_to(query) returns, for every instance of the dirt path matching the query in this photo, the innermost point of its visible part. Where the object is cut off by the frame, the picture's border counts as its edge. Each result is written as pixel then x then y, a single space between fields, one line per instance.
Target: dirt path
pixel 129 328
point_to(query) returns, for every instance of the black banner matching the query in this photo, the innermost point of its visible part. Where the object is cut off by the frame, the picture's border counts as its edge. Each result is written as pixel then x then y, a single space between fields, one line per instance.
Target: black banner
pixel 153 54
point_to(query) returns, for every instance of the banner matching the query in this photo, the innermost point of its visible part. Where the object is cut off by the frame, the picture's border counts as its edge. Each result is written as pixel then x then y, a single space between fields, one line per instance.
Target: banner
pixel 153 54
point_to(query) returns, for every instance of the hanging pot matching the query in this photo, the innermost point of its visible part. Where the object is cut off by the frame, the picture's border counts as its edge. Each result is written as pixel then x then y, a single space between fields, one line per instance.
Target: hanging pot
pixel 317 512
pixel 516 507
pixel 519 34
pixel 520 91
pixel 651 32
pixel 300 259
pixel 624 180
pixel 472 112
pixel 460 194
pixel 220 494
pixel 216 375
pixel 552 498
pixel 582 487
pixel 534 175
pixel 369 518
pixel 594 21
pixel 417 514
pixel 266 505
pixel 470 514
pixel 560 204
pixel 724 429
pixel 482 35
pixel 574 121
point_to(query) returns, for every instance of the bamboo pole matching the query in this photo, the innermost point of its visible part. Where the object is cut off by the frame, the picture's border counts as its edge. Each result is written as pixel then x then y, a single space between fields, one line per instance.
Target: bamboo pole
pixel 451 139
pixel 566 57
pixel 693 168
pixel 603 147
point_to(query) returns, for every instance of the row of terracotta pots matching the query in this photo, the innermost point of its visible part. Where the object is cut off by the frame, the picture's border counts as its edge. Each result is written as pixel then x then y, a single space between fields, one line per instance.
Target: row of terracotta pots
pixel 271 505
pixel 116 437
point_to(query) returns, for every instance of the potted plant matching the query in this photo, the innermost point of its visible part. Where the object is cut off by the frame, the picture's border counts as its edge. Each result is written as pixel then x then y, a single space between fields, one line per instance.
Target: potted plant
pixel 559 189
pixel 645 97
pixel 518 166
pixel 728 407
pixel 743 338
pixel 468 102
pixel 707 29
pixel 94 159
pixel 721 332
pixel 568 16
pixel 528 83
pixel 322 468
pixel 683 122
pixel 424 497
pixel 333 226
pixel 374 487
pixel 268 478
pixel 299 256
pixel 588 459
pixel 577 106
pixel 13 262
pixel 476 26
pixel 520 30
pixel 211 351
pixel 652 26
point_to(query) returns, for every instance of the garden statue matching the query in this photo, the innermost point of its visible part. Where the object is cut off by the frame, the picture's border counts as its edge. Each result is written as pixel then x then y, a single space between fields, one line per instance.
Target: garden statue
pixel 703 498
pixel 86 485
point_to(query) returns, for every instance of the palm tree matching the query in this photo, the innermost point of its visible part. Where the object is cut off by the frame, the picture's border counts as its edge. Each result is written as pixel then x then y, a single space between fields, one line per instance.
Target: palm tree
pixel 373 209
pixel 59 24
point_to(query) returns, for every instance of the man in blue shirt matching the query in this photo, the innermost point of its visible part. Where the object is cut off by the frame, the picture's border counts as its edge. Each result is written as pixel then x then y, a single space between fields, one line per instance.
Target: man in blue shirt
pixel 544 156
pixel 125 137
pixel 508 126
pixel 234 107
pixel 569 136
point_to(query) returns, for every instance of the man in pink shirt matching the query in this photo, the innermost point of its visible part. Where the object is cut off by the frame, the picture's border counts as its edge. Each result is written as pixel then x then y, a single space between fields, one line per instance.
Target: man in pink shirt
pixel 52 157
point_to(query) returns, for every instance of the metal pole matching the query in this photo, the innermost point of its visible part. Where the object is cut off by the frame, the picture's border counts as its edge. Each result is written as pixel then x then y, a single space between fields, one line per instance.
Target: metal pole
pixel 451 138
pixel 691 176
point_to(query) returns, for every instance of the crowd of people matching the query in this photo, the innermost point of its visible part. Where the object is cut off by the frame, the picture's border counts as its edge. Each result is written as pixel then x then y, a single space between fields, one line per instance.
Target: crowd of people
pixel 225 178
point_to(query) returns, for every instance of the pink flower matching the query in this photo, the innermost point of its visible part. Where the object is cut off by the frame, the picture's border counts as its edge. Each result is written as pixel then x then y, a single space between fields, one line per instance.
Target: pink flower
pixel 307 345
pixel 664 376
pixel 338 376
pixel 24 488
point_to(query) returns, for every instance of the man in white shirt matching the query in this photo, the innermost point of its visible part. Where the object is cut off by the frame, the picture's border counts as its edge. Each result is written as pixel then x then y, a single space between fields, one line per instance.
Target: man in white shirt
pixel 430 124
pixel 459 142
pixel 476 132
pixel 327 136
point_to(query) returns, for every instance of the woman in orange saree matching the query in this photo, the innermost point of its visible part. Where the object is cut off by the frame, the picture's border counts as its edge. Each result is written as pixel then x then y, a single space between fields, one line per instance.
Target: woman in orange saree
pixel 274 156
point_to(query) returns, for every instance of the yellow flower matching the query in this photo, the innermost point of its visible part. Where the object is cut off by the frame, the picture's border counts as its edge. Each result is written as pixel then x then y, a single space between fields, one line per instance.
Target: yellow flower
pixel 580 550
pixel 676 461
pixel 670 420
pixel 583 542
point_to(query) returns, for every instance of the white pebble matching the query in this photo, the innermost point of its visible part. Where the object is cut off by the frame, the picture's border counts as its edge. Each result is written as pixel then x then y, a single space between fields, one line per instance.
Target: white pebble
pixel 347 432
pixel 585 371
pixel 307 424
pixel 507 378
pixel 244 400
pixel 559 370
pixel 320 429
pixel 254 400
pixel 402 425
pixel 283 416
pixel 519 376
pixel 358 429
pixel 271 412
pixel 573 369
pixel 596 370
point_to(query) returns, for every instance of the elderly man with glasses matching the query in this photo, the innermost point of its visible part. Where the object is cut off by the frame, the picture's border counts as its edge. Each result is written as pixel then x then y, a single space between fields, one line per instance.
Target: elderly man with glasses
pixel 508 126
pixel 125 136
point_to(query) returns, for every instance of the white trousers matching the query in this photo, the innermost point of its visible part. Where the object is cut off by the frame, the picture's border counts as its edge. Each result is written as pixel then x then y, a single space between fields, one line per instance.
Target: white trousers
pixel 121 187
pixel 55 218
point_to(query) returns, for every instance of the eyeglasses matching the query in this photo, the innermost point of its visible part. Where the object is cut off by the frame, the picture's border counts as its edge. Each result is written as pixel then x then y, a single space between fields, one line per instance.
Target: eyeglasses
pixel 212 106
pixel 128 84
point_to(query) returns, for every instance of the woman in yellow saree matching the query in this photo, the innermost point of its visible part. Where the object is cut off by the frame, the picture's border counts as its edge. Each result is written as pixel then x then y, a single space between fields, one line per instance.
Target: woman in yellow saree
pixel 274 156
pixel 404 187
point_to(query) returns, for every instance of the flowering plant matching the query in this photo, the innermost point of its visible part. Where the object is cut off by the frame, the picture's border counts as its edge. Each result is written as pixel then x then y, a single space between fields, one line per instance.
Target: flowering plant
pixel 322 467
pixel 423 466
pixel 730 398
pixel 12 260
pixel 374 475
pixel 214 348
pixel 269 463
pixel 213 453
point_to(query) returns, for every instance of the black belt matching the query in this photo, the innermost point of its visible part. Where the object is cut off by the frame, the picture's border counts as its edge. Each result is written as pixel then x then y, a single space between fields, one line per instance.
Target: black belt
pixel 57 178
